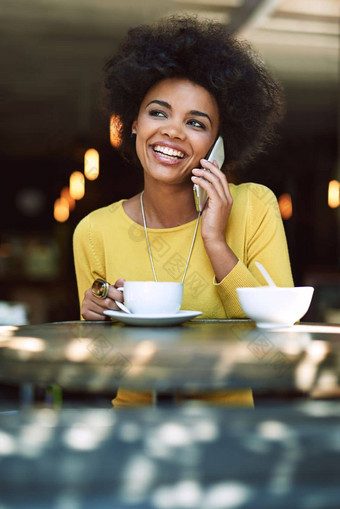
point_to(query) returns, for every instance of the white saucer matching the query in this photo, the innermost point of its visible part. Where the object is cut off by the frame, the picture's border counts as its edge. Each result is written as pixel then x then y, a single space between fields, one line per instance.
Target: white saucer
pixel 152 320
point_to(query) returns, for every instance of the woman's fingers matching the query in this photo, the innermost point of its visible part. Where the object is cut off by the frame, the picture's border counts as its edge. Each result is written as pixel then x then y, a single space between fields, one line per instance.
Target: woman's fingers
pixel 216 214
pixel 93 307
pixel 115 294
pixel 224 182
pixel 91 315
pixel 213 181
pixel 119 283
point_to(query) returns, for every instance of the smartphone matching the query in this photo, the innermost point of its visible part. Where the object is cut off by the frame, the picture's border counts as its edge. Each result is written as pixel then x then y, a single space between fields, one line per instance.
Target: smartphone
pixel 216 153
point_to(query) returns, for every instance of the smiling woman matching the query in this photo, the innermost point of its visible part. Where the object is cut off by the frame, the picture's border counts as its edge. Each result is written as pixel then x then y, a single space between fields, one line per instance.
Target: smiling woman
pixel 176 87
pixel 176 125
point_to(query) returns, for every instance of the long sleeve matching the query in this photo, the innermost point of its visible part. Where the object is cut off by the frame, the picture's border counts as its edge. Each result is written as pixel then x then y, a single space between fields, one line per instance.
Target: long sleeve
pixel 87 259
pixel 264 240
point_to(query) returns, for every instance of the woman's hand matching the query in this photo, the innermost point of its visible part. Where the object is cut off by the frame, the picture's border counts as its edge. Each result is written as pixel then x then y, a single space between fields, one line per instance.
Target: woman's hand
pixel 92 307
pixel 215 217
pixel 217 210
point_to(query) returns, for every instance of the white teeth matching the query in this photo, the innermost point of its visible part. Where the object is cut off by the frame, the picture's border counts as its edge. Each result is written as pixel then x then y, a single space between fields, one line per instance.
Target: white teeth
pixel 168 151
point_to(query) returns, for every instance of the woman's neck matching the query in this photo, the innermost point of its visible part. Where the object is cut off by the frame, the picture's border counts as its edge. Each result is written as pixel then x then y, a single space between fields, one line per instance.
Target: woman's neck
pixel 165 206
pixel 168 207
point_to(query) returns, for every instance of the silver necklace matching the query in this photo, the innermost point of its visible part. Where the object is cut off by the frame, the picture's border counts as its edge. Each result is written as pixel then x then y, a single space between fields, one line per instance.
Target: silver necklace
pixel 148 243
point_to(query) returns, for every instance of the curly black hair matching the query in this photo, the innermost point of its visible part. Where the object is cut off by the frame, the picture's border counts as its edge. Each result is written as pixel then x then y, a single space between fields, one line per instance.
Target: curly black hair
pixel 203 51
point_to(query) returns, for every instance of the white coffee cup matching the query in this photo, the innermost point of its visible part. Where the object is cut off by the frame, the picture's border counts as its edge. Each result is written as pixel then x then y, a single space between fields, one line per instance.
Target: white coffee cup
pixel 153 297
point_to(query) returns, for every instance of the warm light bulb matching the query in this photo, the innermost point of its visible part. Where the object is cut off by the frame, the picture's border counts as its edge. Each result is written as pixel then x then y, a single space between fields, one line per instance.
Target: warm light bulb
pixel 334 194
pixel 65 193
pixel 91 164
pixel 115 128
pixel 285 206
pixel 77 185
pixel 61 210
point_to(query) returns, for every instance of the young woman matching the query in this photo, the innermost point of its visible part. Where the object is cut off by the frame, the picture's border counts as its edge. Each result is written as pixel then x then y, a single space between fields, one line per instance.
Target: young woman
pixel 176 86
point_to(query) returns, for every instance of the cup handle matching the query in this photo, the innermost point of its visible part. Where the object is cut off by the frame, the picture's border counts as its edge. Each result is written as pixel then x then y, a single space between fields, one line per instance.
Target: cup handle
pixel 119 304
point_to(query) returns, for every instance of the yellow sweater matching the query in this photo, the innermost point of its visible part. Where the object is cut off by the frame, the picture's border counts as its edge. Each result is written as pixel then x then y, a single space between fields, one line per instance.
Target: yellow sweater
pixel 110 245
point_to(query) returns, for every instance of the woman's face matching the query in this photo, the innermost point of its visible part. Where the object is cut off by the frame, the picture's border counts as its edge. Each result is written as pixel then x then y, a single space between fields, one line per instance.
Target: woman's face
pixel 177 124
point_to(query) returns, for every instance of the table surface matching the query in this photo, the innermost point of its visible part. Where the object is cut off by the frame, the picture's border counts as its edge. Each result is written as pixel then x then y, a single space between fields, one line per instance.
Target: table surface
pixel 198 355
pixel 193 457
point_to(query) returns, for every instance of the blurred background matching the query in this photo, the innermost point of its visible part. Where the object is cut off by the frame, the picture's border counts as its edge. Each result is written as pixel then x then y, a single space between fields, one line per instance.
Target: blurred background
pixel 51 112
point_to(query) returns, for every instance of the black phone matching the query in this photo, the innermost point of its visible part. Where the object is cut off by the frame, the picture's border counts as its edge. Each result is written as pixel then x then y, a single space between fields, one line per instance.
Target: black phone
pixel 216 153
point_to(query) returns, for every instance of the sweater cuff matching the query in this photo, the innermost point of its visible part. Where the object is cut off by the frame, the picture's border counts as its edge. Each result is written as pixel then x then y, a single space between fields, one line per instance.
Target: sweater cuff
pixel 238 277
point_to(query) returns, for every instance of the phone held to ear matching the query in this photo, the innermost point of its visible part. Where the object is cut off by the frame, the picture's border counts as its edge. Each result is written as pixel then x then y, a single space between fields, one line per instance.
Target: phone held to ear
pixel 216 153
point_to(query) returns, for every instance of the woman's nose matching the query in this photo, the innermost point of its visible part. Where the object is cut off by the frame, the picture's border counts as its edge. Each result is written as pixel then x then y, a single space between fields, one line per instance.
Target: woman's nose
pixel 173 129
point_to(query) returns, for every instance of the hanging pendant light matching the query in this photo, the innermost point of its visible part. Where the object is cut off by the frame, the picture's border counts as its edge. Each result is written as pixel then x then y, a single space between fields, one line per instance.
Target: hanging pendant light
pixel 91 164
pixel 77 185
pixel 285 206
pixel 333 194
pixel 61 210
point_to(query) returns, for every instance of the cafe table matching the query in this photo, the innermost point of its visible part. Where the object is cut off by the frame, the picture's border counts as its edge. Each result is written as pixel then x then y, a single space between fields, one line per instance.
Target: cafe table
pixel 285 454
pixel 199 355
pixel 192 457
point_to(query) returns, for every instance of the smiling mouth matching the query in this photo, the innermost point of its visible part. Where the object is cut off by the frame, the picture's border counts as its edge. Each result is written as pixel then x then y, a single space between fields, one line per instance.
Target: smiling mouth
pixel 168 152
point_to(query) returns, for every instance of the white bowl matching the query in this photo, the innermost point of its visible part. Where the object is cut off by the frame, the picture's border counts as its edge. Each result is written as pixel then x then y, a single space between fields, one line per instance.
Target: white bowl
pixel 273 306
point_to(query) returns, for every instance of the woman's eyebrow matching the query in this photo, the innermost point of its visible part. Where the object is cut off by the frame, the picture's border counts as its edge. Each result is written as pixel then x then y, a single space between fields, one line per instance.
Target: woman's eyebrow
pixel 161 103
pixel 192 112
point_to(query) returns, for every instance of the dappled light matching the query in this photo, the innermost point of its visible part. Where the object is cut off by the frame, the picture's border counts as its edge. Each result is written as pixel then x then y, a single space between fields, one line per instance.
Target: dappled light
pixel 211 459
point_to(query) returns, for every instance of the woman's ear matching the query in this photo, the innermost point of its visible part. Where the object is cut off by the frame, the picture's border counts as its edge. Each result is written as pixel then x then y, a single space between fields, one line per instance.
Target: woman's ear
pixel 134 127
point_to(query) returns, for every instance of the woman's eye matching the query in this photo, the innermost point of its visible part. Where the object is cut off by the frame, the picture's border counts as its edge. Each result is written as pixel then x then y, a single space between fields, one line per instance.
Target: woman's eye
pixel 196 123
pixel 157 113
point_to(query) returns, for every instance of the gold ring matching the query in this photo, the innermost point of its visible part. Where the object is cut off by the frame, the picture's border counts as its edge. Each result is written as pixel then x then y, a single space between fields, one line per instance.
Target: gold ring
pixel 100 288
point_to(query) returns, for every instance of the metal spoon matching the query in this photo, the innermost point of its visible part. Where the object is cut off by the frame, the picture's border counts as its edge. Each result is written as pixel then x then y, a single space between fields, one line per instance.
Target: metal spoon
pixel 120 305
pixel 265 274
